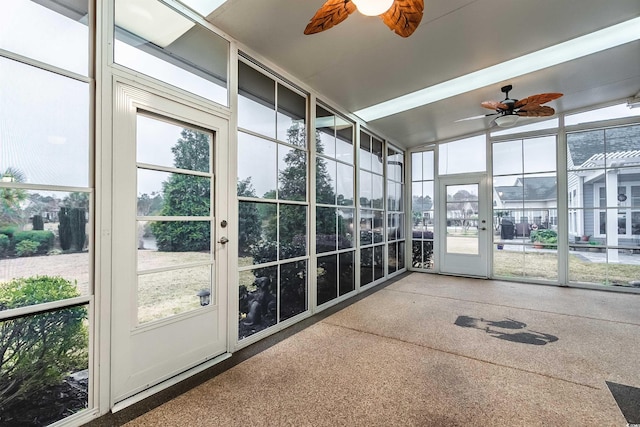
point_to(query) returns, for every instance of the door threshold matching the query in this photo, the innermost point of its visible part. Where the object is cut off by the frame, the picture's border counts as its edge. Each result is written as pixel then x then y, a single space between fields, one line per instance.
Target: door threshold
pixel 168 383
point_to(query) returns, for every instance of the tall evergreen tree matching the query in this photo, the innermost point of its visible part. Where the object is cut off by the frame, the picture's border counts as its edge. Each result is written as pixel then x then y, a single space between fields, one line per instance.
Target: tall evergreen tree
pixel 249 224
pixel 186 195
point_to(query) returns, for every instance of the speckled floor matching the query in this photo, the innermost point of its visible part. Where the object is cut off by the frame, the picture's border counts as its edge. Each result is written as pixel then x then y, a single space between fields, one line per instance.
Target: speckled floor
pixel 433 350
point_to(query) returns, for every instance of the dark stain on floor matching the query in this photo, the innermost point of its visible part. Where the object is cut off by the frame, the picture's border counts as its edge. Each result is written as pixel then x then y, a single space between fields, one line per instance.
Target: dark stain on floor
pixel 493 328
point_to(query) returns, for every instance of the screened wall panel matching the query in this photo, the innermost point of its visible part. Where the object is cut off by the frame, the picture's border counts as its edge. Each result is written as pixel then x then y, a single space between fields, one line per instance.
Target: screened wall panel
pixel 335 210
pixel 273 202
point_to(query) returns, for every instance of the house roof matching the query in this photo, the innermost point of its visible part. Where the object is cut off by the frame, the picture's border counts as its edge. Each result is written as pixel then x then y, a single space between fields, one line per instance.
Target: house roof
pixel 536 188
pixel 587 146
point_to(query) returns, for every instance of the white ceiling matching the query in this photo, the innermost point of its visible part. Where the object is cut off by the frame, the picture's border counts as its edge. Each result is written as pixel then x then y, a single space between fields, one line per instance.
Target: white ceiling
pixel 361 62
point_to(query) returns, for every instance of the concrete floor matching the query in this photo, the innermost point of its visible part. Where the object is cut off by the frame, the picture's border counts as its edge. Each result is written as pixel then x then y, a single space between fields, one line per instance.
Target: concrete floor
pixel 430 350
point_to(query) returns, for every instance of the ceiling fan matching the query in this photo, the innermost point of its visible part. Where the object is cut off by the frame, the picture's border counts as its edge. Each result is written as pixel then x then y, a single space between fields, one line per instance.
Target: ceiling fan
pixel 509 110
pixel 401 16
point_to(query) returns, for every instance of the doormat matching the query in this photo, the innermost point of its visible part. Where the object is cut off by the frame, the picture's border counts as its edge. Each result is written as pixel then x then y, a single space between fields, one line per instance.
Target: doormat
pixel 628 400
pixel 505 330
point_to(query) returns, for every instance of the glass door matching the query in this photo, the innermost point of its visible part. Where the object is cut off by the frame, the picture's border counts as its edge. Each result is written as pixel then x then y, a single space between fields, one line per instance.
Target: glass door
pixel 169 221
pixel 464 229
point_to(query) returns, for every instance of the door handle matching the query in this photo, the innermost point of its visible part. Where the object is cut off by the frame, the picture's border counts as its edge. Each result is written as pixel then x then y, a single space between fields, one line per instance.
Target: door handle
pixel 483 228
pixel 223 240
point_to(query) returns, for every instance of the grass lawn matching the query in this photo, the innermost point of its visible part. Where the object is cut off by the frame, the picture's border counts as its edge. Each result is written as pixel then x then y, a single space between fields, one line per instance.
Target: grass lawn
pixel 544 265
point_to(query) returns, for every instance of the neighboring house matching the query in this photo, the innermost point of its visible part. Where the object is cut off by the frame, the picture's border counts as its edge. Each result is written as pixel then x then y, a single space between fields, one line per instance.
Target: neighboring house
pixel 604 185
pixel 528 201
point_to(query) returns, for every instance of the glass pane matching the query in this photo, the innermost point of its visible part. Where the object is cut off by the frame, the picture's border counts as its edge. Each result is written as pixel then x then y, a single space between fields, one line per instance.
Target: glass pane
pixel 48 355
pixel 256 101
pixel 345 185
pixel 165 144
pixel 462 219
pixel 509 261
pixel 371 227
pixel 175 194
pixel 622 144
pixel 365 151
pixel 325 132
pixel 325 229
pixel 346 278
pixel 168 293
pixel 416 167
pixel 346 228
pixel 292 172
pixel 325 181
pixel 60 38
pixel 393 257
pixel 395 165
pixel 583 270
pixel 508 192
pixel 366 266
pixel 541 264
pixel 44 235
pixel 293 289
pixel 291 118
pixel 463 156
pixel 257 164
pixel 157 41
pixel 507 158
pixel 378 268
pixel 327 288
pixel 172 243
pixel 344 133
pixel 540 191
pixel 428 165
pixel 366 189
pixel 45 126
pixel 401 255
pixel 258 300
pixel 540 154
pixel 344 150
pixel 537 125
pixel 377 156
pixel 293 231
pixel 378 192
pixel 254 223
pixel 265 250
pixel 606 113
pixel 585 149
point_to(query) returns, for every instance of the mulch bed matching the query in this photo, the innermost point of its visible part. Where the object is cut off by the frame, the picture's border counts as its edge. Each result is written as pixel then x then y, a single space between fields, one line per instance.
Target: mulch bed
pixel 49 405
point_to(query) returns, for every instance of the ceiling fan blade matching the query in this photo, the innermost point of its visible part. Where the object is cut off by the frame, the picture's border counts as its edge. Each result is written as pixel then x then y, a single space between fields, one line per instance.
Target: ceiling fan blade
pixel 476 117
pixel 331 13
pixel 494 105
pixel 538 99
pixel 541 111
pixel 404 16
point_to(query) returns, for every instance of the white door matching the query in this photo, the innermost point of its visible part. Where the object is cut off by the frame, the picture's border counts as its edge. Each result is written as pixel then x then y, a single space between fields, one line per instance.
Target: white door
pixel 464 229
pixel 169 296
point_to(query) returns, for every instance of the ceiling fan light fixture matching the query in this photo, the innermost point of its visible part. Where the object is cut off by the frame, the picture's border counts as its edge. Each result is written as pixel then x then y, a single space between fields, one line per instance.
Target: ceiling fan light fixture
pixel 507 120
pixel 373 7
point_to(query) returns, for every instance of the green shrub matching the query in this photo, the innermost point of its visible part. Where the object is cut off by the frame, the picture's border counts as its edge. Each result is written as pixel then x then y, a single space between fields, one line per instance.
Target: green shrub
pixel 546 237
pixel 8 230
pixel 39 350
pixel 44 238
pixel 4 244
pixel 27 248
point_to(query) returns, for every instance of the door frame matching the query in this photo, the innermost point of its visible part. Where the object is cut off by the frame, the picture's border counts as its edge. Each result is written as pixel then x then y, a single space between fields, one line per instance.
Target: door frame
pixel 465 265
pixel 128 96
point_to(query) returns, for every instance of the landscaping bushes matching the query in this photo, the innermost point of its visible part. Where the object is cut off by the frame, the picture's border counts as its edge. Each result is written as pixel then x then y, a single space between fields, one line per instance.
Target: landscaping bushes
pixel 38 351
pixel 44 239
